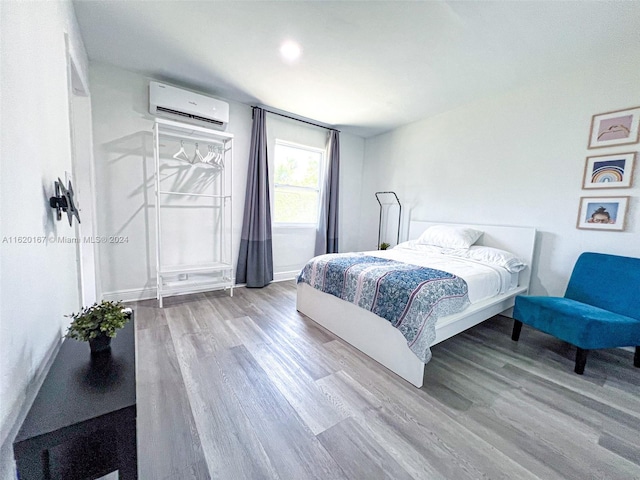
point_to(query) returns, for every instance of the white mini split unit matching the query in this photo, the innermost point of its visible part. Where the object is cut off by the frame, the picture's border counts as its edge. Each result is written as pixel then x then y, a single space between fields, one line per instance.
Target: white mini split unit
pixel 175 103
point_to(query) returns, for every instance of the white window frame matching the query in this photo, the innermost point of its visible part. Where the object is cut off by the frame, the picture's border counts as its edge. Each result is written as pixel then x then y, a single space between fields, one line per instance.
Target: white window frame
pixel 300 146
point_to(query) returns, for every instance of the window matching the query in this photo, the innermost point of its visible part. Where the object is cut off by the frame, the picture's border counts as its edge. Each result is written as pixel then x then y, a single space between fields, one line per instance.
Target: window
pixel 297 183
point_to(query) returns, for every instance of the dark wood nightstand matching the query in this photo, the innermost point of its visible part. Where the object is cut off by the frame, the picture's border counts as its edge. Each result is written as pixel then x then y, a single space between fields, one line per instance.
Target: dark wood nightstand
pixel 82 424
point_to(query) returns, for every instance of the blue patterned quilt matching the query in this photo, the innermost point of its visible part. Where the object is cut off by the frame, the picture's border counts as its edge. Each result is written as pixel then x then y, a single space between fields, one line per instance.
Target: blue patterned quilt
pixel 410 297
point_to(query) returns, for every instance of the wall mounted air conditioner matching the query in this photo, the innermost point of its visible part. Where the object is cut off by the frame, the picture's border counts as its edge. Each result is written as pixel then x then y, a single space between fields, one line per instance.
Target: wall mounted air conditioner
pixel 175 103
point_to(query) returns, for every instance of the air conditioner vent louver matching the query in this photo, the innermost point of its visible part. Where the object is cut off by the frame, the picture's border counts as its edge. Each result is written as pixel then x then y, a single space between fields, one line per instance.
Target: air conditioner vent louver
pixel 189 115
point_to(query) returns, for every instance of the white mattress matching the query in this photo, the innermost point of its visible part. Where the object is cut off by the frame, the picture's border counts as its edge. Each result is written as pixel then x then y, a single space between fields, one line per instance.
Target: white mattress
pixel 483 280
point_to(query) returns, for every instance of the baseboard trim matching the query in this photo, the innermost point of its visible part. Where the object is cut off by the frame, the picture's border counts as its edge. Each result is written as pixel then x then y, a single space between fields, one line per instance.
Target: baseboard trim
pixel 283 276
pixel 131 294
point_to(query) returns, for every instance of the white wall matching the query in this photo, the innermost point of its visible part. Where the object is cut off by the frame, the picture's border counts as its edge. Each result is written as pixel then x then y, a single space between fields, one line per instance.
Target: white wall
pixel 514 159
pixel 351 168
pixel 123 152
pixel 38 281
pixel 124 181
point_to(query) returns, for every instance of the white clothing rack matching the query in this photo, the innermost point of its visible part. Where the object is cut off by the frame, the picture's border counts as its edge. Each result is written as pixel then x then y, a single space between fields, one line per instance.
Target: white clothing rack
pixel 213 269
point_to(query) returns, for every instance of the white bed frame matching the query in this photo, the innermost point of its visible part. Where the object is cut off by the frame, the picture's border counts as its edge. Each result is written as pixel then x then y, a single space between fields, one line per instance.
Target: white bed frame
pixel 384 343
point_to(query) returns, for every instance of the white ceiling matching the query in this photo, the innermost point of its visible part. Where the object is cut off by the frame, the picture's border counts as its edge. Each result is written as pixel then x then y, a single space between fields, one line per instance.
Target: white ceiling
pixel 367 67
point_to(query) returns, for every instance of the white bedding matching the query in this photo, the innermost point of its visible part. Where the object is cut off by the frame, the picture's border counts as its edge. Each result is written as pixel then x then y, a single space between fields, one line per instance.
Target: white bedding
pixel 483 280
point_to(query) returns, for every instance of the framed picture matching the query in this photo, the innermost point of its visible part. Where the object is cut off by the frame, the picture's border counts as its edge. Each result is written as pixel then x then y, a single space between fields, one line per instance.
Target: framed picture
pixel 609 171
pixel 602 213
pixel 619 127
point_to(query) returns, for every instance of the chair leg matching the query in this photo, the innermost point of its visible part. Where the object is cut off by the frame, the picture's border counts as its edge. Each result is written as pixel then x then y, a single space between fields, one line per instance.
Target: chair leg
pixel 581 360
pixel 517 328
pixel 636 358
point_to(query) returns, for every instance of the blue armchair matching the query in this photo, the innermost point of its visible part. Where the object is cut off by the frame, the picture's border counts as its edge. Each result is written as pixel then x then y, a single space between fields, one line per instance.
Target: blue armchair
pixel 600 309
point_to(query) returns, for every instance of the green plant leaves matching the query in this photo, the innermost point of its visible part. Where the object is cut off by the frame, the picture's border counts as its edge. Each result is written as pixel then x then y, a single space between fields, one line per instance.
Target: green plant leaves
pixel 104 317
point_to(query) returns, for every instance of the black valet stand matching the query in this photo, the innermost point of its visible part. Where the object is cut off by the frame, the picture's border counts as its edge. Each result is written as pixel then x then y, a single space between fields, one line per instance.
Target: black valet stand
pixel 397 201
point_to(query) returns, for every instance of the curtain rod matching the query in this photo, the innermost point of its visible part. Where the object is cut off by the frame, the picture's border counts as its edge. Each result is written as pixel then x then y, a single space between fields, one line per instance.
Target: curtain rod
pixel 297 119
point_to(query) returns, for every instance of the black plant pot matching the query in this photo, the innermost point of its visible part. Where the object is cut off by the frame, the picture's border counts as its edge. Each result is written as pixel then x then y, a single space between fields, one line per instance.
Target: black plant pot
pixel 101 343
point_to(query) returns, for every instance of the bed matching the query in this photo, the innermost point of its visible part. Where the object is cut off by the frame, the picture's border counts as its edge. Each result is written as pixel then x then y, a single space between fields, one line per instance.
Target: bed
pixel 386 344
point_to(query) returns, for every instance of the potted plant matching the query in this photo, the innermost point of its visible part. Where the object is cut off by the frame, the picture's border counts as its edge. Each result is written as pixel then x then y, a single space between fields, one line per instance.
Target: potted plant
pixel 98 324
pixel 384 245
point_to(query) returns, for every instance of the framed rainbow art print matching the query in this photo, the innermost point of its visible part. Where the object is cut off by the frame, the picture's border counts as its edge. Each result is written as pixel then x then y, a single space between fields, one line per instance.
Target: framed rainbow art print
pixel 609 171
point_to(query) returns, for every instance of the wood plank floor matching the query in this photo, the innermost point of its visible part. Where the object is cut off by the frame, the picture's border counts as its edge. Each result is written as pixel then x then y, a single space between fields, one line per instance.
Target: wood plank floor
pixel 248 388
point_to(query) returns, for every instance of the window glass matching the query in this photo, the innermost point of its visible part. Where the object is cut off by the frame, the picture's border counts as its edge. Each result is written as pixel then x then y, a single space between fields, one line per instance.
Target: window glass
pixel 297 183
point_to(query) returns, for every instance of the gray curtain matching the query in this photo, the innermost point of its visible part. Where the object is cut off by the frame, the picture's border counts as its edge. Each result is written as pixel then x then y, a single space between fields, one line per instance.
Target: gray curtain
pixel 327 233
pixel 255 260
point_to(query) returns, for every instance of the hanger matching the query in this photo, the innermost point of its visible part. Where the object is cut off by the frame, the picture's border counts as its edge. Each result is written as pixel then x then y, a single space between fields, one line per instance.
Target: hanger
pixel 209 156
pixel 197 157
pixel 219 158
pixel 181 155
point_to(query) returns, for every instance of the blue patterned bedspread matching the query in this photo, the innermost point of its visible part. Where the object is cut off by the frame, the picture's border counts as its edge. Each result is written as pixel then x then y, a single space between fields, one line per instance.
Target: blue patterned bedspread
pixel 410 297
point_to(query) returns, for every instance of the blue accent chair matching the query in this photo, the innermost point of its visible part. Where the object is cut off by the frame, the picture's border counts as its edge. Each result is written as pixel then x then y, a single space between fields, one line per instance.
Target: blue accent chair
pixel 600 309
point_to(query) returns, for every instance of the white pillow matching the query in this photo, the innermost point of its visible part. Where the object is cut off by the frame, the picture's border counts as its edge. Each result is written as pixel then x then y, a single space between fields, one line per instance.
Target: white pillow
pixel 448 236
pixel 492 256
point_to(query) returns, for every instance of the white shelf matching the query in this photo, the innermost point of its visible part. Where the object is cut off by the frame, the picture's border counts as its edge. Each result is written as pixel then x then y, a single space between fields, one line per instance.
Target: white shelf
pixel 196 281
pixel 190 194
pixel 196 268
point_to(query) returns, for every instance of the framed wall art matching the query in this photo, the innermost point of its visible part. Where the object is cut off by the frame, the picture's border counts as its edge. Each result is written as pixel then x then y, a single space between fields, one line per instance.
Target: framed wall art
pixel 602 213
pixel 609 171
pixel 620 127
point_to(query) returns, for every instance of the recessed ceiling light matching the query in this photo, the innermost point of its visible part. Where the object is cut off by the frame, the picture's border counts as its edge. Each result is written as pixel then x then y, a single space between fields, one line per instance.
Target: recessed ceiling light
pixel 290 51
